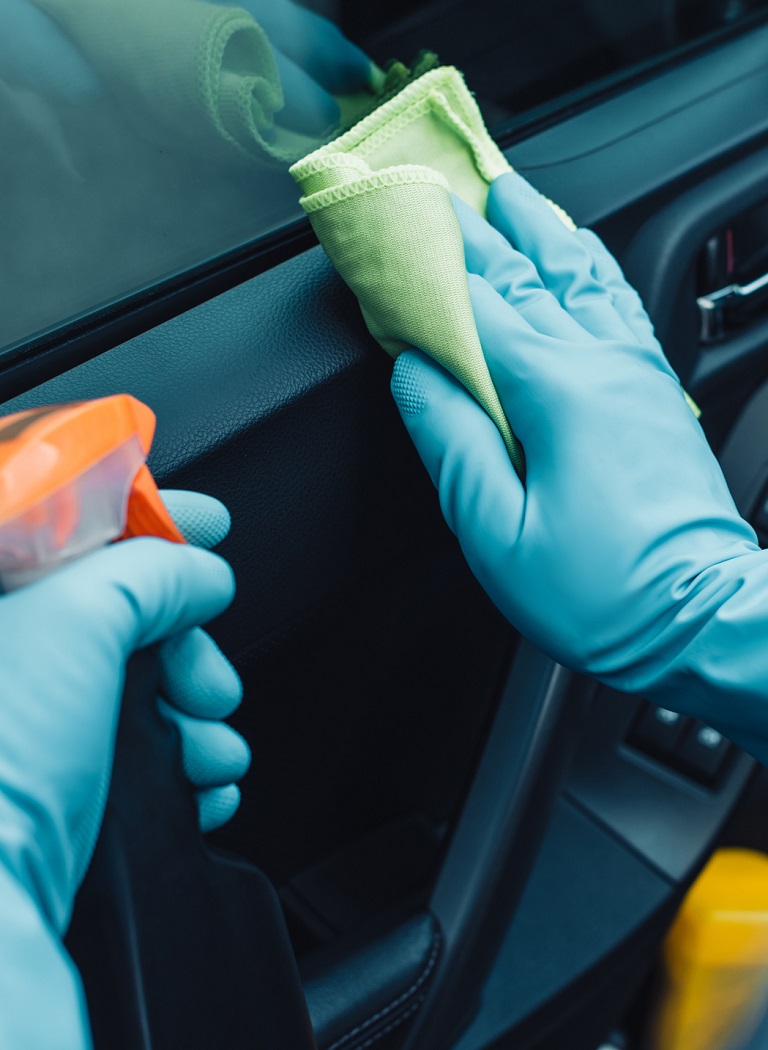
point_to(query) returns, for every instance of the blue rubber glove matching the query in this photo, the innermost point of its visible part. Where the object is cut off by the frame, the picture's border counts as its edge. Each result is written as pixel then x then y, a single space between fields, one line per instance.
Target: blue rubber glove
pixel 36 55
pixel 623 554
pixel 200 684
pixel 315 60
pixel 64 643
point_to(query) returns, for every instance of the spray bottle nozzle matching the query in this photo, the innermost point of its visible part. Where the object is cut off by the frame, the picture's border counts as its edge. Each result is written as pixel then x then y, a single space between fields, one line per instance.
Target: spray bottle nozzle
pixel 73 478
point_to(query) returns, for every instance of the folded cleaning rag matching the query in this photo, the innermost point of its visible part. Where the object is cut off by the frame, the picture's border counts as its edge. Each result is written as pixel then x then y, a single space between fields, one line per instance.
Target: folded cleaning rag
pixel 195 75
pixel 379 199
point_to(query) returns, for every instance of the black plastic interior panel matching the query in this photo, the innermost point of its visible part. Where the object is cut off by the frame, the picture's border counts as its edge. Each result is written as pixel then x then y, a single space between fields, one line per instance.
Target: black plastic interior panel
pixel 745 454
pixel 662 263
pixel 626 148
pixel 657 169
pixel 375 873
pixel 176 945
pixel 587 898
pixel 367 713
pixel 498 834
pixel 47 355
pixel 266 397
pixel 663 815
pixel 274 398
pixel 659 259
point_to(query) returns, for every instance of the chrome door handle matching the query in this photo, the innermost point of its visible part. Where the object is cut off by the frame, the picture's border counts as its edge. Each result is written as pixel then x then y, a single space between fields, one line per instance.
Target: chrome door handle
pixel 724 309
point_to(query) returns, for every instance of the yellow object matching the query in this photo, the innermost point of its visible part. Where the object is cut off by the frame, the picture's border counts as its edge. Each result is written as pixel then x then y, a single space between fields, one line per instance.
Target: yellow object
pixel 716 958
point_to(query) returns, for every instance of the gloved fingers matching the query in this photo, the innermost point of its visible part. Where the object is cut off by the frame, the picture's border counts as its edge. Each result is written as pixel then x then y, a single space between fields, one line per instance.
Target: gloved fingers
pixel 627 302
pixel 216 806
pixel 315 45
pixel 521 361
pixel 460 446
pixel 489 255
pixel 197 677
pixel 212 753
pixel 564 265
pixel 308 108
pixel 202 520
pixel 36 55
pixel 157 589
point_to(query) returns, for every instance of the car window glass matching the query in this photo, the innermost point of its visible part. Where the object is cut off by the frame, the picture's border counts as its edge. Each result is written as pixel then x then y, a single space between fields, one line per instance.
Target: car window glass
pixel 141 139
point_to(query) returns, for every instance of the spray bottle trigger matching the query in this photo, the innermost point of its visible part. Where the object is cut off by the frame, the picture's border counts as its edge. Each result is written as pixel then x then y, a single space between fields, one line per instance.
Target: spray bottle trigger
pixel 146 514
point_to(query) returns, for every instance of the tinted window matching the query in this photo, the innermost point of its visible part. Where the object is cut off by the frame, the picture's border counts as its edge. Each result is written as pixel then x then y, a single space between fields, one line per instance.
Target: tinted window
pixel 521 54
pixel 144 137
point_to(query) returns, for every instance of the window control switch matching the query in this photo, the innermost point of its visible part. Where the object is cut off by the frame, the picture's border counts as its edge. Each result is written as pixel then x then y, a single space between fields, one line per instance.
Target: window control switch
pixel 658 731
pixel 702 752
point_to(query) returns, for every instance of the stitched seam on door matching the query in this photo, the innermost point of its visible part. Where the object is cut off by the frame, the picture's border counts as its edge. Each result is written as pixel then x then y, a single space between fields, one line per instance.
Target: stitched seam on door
pixel 392 1025
pixel 403 997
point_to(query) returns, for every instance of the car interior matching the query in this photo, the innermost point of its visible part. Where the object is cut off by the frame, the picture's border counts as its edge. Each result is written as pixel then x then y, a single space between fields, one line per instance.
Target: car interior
pixel 445 839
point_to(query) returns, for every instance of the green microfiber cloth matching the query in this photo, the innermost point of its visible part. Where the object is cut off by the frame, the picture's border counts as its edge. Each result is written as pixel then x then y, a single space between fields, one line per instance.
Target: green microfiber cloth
pixel 200 77
pixel 379 200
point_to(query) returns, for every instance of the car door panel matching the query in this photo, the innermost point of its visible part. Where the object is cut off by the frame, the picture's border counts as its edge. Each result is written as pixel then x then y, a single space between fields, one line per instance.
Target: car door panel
pixel 639 142
pixel 585 931
pixel 331 526
pixel 373 664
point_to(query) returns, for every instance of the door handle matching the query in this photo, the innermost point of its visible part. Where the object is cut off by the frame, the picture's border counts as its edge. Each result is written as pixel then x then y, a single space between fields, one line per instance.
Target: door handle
pixel 729 307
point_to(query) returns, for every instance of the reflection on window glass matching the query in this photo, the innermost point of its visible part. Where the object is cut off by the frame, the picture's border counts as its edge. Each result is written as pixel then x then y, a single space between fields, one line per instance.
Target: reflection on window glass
pixel 143 137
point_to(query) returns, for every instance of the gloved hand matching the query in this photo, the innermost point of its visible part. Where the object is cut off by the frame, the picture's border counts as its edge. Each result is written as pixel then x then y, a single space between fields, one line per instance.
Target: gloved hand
pixel 315 61
pixel 201 685
pixel 622 554
pixel 64 643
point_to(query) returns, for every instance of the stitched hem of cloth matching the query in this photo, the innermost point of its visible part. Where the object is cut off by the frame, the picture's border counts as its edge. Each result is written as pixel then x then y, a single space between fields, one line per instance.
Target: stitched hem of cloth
pixel 444 92
pixel 376 180
pixel 213 46
pixel 440 103
pixel 255 100
pixel 384 127
pixel 441 90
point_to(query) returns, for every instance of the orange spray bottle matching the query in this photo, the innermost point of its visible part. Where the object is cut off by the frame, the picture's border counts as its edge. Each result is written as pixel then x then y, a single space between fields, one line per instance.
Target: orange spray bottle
pixel 158 926
pixel 73 478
